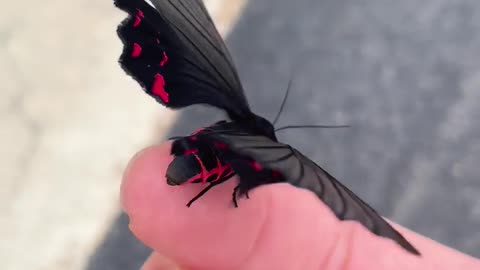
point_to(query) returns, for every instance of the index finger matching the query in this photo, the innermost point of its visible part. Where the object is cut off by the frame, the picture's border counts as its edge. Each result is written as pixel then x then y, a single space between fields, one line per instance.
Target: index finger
pixel 280 227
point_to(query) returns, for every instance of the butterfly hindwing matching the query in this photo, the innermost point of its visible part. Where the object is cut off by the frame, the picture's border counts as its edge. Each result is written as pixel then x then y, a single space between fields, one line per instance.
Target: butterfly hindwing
pixel 178 57
pixel 277 162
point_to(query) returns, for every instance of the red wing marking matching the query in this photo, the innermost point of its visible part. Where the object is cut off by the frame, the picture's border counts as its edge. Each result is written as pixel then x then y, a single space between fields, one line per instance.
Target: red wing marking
pixel 158 41
pixel 256 166
pixel 138 18
pixel 158 87
pixel 190 151
pixel 164 59
pixel 193 138
pixel 137 49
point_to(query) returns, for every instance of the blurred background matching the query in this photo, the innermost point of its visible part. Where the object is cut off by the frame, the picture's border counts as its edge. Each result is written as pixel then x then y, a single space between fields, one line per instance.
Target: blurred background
pixel 404 74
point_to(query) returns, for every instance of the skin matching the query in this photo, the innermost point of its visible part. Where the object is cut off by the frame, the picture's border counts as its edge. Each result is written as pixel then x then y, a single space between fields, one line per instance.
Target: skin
pixel 279 227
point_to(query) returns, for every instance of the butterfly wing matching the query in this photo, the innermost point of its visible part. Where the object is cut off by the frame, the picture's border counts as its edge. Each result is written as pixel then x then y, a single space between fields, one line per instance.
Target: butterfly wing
pixel 176 54
pixel 276 162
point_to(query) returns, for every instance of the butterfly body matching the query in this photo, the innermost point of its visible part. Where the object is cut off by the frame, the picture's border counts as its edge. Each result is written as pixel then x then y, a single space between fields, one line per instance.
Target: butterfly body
pixel 200 159
pixel 173 50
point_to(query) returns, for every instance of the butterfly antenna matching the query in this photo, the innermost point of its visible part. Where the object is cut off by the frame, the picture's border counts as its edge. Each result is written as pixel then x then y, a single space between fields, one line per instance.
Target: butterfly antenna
pixel 312 126
pixel 284 101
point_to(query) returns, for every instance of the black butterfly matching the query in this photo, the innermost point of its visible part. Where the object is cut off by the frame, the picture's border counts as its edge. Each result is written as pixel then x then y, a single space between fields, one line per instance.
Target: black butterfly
pixel 176 54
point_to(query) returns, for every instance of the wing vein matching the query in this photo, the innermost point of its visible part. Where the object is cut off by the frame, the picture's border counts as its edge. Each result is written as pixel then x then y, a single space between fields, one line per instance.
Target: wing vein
pixel 278 159
pixel 302 168
pixel 200 52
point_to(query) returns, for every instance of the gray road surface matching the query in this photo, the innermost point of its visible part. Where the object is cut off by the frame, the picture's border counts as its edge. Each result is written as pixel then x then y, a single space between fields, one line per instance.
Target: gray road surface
pixel 404 74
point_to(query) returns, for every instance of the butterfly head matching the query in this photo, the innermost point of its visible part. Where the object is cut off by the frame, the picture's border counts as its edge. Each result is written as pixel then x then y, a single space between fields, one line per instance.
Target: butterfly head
pixel 263 127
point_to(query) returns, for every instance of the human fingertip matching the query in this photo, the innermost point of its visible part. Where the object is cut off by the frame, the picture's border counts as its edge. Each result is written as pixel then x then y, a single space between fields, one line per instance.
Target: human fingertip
pixel 135 170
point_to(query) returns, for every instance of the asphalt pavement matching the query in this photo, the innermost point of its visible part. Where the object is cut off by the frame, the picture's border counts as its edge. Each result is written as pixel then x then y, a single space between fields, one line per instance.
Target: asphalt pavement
pixel 404 74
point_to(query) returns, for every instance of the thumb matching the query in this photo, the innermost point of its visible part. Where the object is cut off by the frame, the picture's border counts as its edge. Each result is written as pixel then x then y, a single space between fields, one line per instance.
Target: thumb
pixel 279 227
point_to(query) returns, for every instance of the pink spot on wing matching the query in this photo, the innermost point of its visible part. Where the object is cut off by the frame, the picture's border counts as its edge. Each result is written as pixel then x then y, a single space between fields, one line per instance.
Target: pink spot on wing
pixel 164 59
pixel 136 50
pixel 193 138
pixel 256 166
pixel 158 87
pixel 158 41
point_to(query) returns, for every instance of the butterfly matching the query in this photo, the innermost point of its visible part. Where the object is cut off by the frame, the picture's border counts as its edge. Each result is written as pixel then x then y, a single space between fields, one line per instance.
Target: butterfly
pixel 174 51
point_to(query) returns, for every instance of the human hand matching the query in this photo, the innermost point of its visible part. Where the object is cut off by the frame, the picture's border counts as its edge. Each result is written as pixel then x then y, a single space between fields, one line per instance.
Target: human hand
pixel 279 227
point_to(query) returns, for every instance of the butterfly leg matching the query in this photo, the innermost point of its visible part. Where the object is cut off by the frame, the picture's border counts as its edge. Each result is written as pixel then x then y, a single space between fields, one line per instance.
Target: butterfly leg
pixel 234 196
pixel 205 190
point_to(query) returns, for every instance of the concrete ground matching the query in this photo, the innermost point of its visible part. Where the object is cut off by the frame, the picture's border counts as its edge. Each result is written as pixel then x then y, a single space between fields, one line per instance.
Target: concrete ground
pixel 71 120
pixel 404 74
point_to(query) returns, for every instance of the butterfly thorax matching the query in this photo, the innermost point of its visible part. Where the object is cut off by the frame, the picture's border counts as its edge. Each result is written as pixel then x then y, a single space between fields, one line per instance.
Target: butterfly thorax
pixel 198 159
pixel 253 125
pixel 259 126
